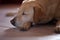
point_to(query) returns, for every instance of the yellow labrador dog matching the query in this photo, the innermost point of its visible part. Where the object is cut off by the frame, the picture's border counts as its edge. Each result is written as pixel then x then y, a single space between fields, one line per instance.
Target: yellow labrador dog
pixel 37 11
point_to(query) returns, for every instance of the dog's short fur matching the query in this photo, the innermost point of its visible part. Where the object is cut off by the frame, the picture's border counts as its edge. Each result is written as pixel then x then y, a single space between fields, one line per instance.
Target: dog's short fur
pixel 37 11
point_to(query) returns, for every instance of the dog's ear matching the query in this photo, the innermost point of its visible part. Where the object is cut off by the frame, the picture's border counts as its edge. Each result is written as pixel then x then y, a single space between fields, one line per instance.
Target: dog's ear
pixel 37 14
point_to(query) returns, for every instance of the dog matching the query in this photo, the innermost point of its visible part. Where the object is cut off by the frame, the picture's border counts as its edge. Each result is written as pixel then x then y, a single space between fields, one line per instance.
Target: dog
pixel 37 12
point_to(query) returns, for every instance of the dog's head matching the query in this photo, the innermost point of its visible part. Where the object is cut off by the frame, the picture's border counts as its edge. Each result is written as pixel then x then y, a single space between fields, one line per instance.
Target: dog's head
pixel 25 16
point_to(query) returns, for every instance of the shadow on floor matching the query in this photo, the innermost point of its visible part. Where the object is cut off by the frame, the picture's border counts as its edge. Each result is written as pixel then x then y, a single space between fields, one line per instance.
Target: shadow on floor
pixel 32 32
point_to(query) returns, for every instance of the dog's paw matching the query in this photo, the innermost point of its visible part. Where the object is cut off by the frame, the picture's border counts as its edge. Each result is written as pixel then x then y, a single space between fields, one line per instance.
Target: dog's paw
pixel 24 28
pixel 57 30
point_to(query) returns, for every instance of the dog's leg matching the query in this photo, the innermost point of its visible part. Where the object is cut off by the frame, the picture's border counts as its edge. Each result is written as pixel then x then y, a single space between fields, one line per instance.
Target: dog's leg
pixel 57 29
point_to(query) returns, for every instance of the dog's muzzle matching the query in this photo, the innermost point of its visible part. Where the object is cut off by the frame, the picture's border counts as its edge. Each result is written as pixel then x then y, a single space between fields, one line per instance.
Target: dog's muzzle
pixel 13 21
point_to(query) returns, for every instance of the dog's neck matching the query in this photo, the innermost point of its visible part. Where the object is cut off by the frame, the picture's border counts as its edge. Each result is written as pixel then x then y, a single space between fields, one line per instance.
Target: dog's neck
pixel 27 1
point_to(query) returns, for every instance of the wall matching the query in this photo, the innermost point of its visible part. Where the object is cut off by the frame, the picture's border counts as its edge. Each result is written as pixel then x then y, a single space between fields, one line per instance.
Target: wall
pixel 10 1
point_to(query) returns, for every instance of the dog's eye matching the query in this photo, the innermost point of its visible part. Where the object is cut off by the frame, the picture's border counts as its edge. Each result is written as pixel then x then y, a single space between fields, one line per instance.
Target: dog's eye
pixel 23 13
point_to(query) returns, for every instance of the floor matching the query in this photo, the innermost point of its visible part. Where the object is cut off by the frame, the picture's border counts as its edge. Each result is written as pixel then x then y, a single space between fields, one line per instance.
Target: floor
pixel 37 32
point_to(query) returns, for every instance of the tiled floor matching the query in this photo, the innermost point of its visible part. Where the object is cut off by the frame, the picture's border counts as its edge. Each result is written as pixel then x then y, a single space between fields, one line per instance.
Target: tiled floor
pixel 38 32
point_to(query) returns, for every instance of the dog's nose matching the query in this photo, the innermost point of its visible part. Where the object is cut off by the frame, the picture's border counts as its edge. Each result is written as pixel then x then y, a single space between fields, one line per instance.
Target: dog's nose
pixel 13 21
